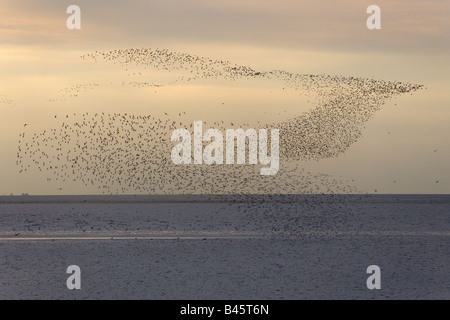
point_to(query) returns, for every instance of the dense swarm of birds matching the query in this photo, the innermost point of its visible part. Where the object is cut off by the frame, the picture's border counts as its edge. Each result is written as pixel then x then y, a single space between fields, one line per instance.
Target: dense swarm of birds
pixel 122 153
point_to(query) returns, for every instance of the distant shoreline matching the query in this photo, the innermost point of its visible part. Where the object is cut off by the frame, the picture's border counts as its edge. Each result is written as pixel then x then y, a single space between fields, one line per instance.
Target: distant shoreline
pixel 228 198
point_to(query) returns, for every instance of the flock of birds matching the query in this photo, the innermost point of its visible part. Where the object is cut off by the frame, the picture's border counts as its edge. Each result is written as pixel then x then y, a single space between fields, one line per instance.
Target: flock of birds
pixel 74 91
pixel 121 153
pixel 79 89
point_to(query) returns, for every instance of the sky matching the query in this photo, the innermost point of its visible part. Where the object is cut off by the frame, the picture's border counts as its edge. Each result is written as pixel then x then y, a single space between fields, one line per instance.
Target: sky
pixel 404 148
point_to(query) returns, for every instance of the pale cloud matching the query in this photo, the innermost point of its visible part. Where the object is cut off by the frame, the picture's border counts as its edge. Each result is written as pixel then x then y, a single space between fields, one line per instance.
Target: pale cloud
pixel 326 25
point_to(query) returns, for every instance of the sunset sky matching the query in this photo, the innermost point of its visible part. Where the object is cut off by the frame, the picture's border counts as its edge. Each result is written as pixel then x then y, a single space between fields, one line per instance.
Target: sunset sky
pixel 405 147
